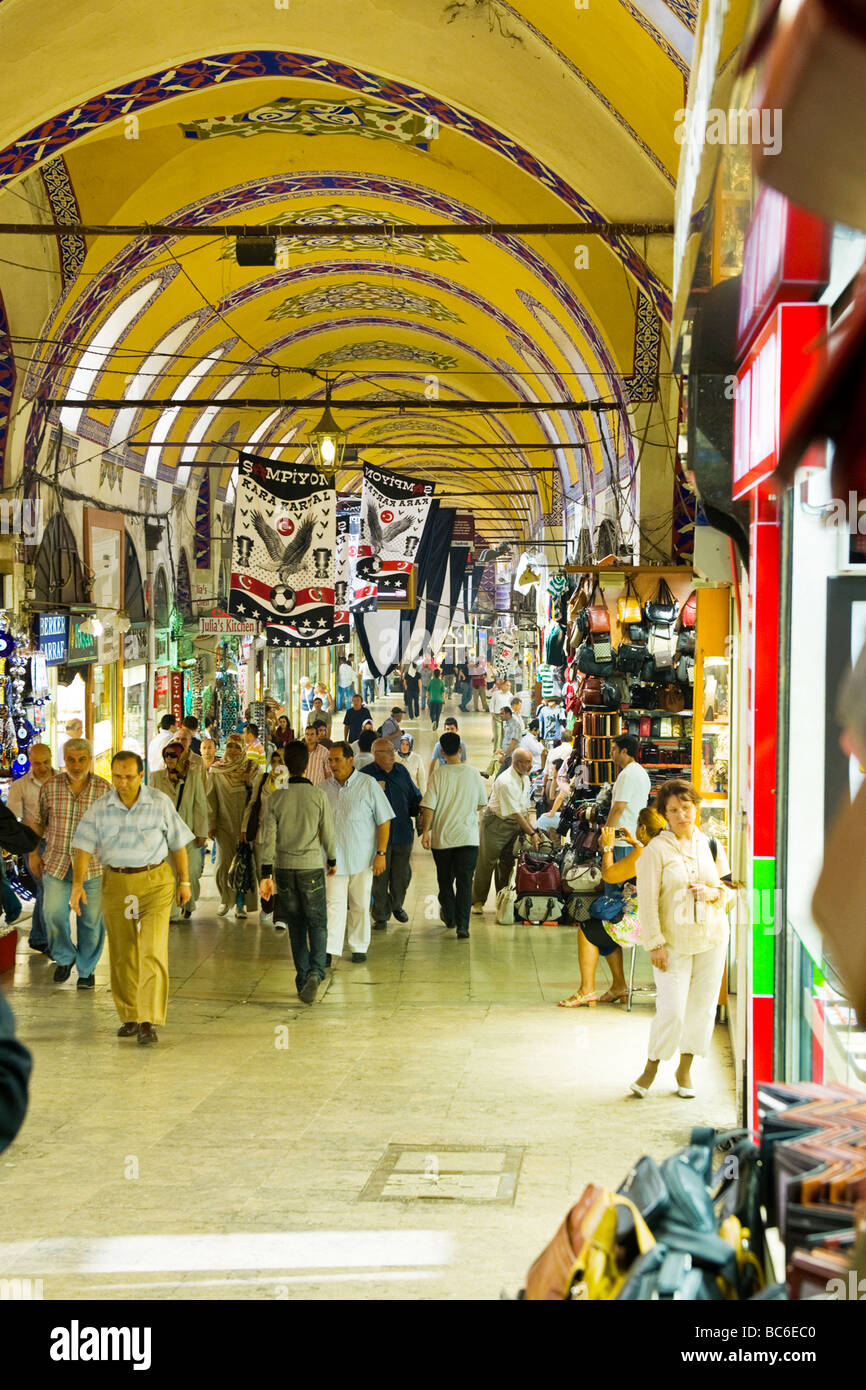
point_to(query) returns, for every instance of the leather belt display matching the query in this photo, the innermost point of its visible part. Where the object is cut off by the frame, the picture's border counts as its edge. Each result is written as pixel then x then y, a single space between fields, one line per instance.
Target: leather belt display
pixel 145 868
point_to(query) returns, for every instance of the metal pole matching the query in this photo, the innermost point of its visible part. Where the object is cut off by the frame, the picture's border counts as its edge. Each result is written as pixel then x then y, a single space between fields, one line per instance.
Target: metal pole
pixel 313 231
pixel 304 403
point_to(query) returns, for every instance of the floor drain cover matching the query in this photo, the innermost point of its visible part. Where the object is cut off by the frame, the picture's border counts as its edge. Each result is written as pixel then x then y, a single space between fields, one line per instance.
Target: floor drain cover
pixel 470 1174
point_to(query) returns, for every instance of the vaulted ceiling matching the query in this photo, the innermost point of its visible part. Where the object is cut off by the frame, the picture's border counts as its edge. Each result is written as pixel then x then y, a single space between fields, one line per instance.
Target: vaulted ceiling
pixel 293 111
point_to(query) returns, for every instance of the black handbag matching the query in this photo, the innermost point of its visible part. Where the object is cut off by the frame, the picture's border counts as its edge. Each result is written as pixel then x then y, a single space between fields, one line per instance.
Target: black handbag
pixel 632 659
pixel 242 872
pixel 588 664
pixel 638 632
pixel 661 610
pixel 686 642
pixel 643 697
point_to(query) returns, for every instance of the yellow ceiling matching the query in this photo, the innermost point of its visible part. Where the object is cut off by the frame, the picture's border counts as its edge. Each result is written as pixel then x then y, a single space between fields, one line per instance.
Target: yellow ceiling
pixel 534 112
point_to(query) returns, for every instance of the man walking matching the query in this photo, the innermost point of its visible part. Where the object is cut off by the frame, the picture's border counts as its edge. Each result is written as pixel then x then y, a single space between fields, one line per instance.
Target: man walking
pixel 298 830
pixel 478 681
pixel 368 684
pixel 184 786
pixel 132 830
pixel 318 767
pixel 319 715
pixel 449 824
pixel 164 734
pixel 354 719
pixel 345 683
pixel 23 802
pixel 512 732
pixel 389 888
pixel 362 821
pixel 191 723
pixel 64 800
pixel 391 728
pixel 508 814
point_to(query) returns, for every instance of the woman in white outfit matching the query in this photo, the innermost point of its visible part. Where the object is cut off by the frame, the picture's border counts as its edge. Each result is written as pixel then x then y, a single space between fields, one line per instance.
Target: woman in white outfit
pixel 412 762
pixel 682 904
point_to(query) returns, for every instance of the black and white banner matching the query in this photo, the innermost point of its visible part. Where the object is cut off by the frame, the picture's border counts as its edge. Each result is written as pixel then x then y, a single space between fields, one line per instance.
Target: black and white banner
pixel 393 513
pixel 283 551
pixel 348 528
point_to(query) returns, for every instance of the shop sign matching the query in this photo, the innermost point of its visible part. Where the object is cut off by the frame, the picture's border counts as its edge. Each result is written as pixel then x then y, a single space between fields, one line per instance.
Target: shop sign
pixel 53 637
pixel 82 645
pixel 177 695
pixel 162 644
pixel 222 625
pixel 109 643
pixel 786 258
pixel 160 688
pixel 780 367
pixel 135 645
pixel 464 529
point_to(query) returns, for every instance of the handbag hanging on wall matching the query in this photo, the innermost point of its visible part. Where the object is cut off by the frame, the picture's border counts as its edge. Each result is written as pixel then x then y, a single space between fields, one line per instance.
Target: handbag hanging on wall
pixel 661 610
pixel 628 609
pixel 671 698
pixel 689 611
pixel 597 614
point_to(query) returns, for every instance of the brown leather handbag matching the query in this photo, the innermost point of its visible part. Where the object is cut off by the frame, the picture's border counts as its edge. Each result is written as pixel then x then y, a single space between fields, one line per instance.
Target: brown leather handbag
pixel 597 615
pixel 585 1259
pixel 671 698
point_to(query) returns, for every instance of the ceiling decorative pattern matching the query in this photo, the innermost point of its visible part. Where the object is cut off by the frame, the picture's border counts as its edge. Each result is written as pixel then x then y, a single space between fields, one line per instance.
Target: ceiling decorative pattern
pixel 290 116
pixel 361 294
pixel 64 207
pixel 378 349
pixel 52 136
pixel 7 387
pixel 642 386
pixel 430 247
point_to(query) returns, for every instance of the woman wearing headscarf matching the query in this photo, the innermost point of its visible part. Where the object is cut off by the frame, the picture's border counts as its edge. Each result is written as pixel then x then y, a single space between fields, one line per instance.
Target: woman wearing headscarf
pixel 231 784
pixel 252 829
pixel 412 762
pixel 184 786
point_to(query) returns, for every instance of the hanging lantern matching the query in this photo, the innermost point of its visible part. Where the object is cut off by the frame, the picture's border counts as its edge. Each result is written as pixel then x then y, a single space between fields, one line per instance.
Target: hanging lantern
pixel 327 440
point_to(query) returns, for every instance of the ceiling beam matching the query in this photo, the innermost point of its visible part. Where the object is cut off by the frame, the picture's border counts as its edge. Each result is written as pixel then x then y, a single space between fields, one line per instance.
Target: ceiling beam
pixel 304 402
pixel 312 231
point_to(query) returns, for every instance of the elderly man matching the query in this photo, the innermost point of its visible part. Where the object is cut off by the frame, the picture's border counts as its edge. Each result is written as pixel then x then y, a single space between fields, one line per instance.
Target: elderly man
pixel 389 888
pixel 362 821
pixel 23 802
pixel 74 728
pixel 453 798
pixel 508 815
pixel 184 785
pixel 63 801
pixel 391 728
pixel 187 741
pixel 133 830
pixel 318 767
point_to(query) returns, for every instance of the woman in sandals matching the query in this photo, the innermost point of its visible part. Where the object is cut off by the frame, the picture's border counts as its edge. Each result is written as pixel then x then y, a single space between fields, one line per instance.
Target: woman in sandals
pixel 593 939
pixel 682 905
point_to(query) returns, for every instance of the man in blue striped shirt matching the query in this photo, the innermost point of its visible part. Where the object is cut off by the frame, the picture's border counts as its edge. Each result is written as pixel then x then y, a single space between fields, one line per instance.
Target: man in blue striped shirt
pixel 133 829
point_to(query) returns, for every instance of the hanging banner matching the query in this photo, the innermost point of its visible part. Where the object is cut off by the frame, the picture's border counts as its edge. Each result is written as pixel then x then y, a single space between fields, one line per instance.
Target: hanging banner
pixel 348 526
pixel 393 513
pixel 283 551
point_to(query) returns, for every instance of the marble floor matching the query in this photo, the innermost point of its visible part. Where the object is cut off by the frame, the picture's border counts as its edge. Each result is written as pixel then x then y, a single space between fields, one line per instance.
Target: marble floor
pixel 257 1151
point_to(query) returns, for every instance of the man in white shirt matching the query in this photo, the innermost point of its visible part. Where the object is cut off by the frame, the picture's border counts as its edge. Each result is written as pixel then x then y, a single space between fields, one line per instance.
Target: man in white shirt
pixel 362 823
pixel 500 696
pixel 23 802
pixel 368 684
pixel 555 769
pixel 345 683
pixel 532 743
pixel 449 824
pixel 508 814
pixel 631 789
pixel 164 734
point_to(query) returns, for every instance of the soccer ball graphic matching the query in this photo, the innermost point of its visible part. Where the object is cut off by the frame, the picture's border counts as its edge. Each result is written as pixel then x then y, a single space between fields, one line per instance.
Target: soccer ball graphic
pixel 283 599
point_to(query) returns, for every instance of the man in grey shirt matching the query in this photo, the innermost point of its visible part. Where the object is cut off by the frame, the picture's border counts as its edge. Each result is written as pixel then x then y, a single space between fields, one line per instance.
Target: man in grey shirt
pixel 299 826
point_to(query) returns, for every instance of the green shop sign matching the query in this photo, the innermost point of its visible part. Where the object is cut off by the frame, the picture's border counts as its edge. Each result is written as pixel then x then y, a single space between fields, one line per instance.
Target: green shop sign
pixel 82 645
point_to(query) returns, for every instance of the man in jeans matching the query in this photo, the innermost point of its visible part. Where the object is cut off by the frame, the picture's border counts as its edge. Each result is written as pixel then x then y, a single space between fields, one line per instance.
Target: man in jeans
pixel 62 803
pixel 449 823
pixel 298 827
pixel 478 680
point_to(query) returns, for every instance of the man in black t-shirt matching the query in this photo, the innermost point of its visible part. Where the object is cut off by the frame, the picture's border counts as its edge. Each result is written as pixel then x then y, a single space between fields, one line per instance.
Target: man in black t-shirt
pixel 354 719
